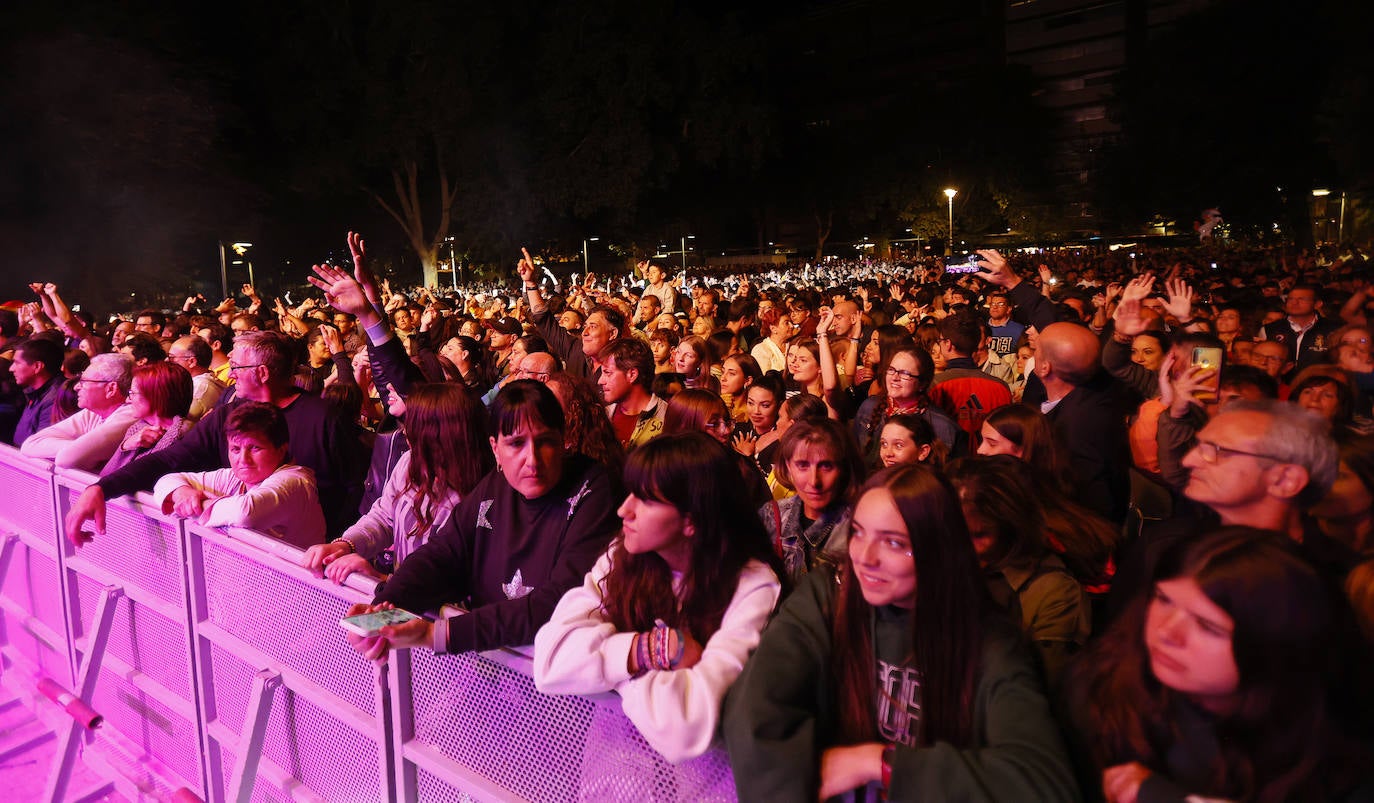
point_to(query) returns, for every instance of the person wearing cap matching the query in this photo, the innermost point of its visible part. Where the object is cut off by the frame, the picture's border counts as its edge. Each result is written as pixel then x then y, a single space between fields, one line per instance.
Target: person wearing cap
pixel 504 331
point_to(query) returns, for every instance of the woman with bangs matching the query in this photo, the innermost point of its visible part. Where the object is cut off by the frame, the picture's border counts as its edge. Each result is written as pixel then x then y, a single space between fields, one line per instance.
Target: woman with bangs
pixel 669 614
pixel 891 676
pixel 446 430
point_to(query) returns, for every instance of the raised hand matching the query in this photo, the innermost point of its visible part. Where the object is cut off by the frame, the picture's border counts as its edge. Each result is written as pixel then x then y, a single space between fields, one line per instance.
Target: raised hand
pixel 50 288
pixel 332 339
pixel 342 291
pixel 37 287
pixel 1180 301
pixel 525 267
pixel 827 319
pixel 995 270
pixel 1139 288
pixel 247 289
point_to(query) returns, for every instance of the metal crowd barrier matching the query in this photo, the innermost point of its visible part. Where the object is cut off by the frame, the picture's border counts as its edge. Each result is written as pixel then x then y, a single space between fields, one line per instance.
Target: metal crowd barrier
pixel 217 668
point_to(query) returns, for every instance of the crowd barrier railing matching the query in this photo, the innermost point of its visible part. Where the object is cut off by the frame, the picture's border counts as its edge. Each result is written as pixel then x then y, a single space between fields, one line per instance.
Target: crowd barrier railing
pixel 218 667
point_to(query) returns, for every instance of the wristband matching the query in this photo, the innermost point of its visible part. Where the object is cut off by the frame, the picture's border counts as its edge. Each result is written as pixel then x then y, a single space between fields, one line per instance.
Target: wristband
pixel 889 752
pixel 529 288
pixel 1188 322
pixel 352 549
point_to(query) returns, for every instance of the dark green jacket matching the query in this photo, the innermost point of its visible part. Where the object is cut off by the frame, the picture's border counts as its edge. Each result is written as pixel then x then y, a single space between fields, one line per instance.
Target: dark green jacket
pixel 781 715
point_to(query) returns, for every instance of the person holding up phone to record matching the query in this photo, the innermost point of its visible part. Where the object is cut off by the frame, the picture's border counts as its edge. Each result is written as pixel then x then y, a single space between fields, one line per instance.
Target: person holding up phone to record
pixel 1137 350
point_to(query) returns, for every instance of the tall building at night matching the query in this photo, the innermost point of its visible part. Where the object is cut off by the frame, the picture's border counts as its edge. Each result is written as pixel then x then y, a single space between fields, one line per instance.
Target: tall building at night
pixel 1078 48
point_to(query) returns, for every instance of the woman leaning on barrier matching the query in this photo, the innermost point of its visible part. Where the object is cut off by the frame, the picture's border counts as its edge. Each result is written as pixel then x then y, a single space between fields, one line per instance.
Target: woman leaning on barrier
pixel 669 614
pixel 446 428
pixel 526 533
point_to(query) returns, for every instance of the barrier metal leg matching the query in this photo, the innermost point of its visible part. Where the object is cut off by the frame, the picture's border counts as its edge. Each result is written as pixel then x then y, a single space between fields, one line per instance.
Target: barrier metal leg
pixel 402 714
pixel 265 685
pixel 85 689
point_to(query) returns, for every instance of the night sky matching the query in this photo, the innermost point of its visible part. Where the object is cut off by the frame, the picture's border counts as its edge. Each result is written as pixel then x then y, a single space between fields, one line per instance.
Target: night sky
pixel 134 137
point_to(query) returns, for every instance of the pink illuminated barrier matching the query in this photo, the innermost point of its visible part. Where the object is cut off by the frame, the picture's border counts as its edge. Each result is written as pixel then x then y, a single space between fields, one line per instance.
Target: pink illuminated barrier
pixel 212 667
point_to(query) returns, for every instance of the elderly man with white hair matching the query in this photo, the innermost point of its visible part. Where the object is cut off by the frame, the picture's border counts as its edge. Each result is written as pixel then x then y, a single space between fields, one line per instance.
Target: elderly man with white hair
pixel 79 440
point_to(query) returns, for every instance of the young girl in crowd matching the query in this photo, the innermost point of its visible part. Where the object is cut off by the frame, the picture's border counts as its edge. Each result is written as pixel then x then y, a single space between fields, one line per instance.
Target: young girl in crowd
pixel 669 614
pixel 818 460
pixel 909 439
pixel 260 490
pixel 738 373
pixel 1220 683
pixel 693 360
pixel 1025 433
pixel 889 674
pixel 804 367
pixel 905 384
pixel 447 431
pixel 758 436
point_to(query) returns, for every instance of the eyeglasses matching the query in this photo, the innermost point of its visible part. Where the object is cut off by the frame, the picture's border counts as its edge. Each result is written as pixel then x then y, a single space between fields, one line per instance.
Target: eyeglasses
pixel 1212 453
pixel 233 368
pixel 904 376
pixel 85 381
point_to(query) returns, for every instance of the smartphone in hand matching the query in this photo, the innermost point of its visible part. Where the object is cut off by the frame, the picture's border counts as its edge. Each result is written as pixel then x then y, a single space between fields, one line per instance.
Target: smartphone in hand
pixel 371 624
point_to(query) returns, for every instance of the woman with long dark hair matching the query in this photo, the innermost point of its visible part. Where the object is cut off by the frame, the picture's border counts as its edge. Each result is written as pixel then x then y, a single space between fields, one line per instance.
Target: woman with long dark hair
pixel 669 614
pixel 1219 683
pixel 892 674
pixel 446 429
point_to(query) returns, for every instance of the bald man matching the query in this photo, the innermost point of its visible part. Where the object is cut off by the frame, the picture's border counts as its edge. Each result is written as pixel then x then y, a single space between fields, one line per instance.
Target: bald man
pixel 1087 419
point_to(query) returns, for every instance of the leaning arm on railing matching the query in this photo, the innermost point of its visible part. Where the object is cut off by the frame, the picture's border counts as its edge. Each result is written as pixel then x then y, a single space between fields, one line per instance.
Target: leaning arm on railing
pixel 678 710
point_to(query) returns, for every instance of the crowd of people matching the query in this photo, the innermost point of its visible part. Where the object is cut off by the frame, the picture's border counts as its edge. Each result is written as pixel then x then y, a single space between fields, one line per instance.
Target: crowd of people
pixel 1078 524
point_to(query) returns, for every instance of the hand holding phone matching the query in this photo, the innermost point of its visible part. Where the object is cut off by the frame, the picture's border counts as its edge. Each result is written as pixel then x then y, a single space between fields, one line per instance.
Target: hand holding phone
pixel 371 624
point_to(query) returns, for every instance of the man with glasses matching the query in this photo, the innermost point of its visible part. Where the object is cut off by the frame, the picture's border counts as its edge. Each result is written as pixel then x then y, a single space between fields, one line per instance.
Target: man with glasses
pixel 195 355
pixel 1257 463
pixel 320 439
pixel 87 438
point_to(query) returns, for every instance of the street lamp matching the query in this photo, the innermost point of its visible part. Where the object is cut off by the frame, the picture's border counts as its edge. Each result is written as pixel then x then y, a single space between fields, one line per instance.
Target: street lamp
pixel 586 260
pixel 239 248
pixel 685 238
pixel 452 263
pixel 950 193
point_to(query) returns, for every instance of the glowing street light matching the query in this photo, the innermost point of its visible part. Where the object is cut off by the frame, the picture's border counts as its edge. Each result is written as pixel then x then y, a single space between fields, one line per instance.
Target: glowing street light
pixel 240 249
pixel 586 261
pixel 950 193
pixel 685 238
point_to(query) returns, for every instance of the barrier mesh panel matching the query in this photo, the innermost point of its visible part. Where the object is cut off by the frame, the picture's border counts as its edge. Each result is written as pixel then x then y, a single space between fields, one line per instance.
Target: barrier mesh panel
pixel 290 620
pixel 32 584
pixel 145 722
pixel 434 790
pixel 28 502
pixel 231 681
pixel 140 637
pixel 323 752
pixel 140 550
pixel 490 719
